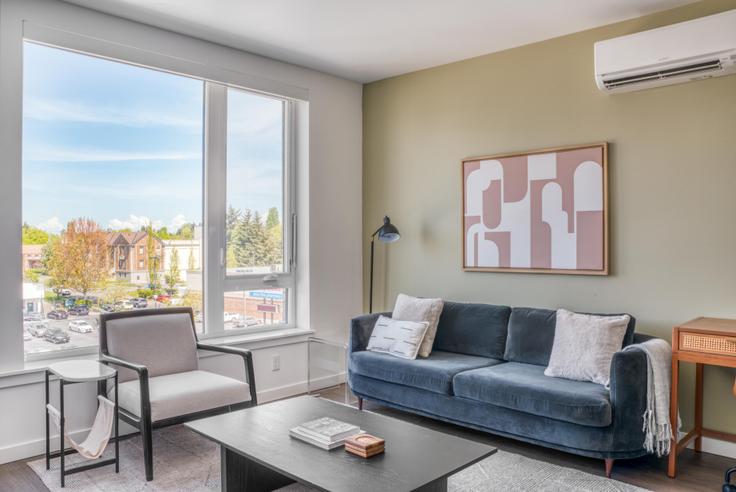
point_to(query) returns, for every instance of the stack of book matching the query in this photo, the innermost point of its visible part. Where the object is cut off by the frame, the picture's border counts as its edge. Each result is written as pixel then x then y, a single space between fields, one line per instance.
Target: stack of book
pixel 325 433
pixel 364 445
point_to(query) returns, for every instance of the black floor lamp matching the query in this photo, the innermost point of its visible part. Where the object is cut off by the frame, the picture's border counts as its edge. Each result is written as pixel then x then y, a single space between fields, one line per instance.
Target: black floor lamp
pixel 387 233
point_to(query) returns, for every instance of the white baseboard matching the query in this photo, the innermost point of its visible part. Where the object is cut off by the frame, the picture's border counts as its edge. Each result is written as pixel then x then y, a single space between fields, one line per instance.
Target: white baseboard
pixel 37 447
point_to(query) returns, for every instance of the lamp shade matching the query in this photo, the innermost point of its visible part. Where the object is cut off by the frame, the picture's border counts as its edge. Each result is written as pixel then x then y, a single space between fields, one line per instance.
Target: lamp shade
pixel 388 233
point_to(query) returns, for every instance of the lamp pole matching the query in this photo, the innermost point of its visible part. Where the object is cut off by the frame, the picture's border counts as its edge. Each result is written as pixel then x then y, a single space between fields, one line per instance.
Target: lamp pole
pixel 387 233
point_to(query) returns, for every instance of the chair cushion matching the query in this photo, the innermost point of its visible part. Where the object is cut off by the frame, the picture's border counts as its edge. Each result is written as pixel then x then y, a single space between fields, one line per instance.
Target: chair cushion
pixel 164 343
pixel 433 373
pixel 173 395
pixel 473 329
pixel 525 388
pixel 532 332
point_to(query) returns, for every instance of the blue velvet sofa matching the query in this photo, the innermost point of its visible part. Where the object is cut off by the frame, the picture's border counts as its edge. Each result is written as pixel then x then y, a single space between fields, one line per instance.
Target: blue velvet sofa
pixel 486 371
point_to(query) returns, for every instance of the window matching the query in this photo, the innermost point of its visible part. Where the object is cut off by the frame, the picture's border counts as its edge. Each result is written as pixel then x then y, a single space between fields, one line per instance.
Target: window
pixel 114 164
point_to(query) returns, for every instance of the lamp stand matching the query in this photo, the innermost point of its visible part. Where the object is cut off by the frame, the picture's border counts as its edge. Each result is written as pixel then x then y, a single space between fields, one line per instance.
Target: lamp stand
pixel 370 295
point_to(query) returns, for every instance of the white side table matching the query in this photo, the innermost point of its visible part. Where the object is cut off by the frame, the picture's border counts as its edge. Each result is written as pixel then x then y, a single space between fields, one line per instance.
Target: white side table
pixel 73 372
pixel 327 367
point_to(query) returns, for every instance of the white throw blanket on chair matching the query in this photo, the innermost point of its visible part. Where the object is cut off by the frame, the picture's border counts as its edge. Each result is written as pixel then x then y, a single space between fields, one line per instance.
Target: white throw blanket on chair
pixel 92 447
pixel 657 428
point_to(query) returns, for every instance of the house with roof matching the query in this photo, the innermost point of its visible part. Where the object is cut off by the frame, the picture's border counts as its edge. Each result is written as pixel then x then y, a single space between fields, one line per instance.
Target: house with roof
pixel 128 256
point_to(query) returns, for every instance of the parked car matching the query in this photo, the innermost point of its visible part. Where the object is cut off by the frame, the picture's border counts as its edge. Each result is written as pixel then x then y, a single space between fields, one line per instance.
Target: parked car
pixel 248 321
pixel 79 310
pixel 162 298
pixel 124 305
pixel 139 302
pixel 27 336
pixel 56 335
pixel 231 317
pixel 36 328
pixel 81 326
pixel 57 314
pixel 66 292
pixel 32 317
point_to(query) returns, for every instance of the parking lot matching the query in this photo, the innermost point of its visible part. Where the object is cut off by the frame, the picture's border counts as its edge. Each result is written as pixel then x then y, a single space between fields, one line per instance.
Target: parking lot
pixel 39 345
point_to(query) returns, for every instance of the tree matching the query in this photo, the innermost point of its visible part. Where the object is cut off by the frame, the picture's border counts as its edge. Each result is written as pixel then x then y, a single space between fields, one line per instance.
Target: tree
pixel 116 291
pixel 185 232
pixel 78 260
pixel 172 276
pixel 153 258
pixel 192 262
pixel 272 218
pixel 34 235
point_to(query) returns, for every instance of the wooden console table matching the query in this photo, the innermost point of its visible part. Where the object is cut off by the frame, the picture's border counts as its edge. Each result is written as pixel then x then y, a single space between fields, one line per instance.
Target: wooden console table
pixel 702 341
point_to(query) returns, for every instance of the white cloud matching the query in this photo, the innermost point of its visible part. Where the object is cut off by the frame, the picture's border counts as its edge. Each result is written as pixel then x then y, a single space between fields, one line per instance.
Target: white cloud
pixel 177 222
pixel 133 222
pixel 51 154
pixel 52 224
pixel 74 112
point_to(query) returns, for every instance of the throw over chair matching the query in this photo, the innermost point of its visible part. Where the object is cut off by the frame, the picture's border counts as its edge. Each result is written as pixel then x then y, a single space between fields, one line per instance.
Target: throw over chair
pixel 160 382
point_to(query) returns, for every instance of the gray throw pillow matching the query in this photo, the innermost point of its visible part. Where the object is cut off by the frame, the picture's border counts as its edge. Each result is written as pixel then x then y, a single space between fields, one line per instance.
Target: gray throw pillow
pixel 418 309
pixel 584 345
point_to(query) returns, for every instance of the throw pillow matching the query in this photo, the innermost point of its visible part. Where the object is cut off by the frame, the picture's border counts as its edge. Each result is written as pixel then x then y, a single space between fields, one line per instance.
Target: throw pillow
pixel 410 308
pixel 584 345
pixel 397 337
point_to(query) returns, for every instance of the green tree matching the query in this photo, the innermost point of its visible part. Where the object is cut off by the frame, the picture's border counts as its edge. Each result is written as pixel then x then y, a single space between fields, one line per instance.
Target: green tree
pixel 185 232
pixel 272 218
pixel 34 235
pixel 192 262
pixel 153 257
pixel 172 276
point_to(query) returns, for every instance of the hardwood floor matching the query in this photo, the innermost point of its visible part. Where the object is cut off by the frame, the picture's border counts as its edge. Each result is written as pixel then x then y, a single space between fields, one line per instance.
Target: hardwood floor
pixel 696 471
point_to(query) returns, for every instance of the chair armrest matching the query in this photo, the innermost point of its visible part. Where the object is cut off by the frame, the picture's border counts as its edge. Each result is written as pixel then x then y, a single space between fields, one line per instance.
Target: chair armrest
pixel 140 369
pixel 142 372
pixel 247 356
pixel 629 378
pixel 361 328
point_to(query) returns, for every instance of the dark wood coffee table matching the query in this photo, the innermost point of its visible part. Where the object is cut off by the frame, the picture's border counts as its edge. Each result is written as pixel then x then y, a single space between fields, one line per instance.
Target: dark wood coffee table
pixel 258 454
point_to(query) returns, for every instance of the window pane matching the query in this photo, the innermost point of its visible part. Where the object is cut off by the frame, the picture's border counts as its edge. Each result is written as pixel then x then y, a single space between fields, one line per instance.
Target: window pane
pixel 112 193
pixel 254 308
pixel 255 184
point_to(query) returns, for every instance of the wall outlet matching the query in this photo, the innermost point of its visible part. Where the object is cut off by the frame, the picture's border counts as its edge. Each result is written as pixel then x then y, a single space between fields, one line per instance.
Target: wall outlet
pixel 275 363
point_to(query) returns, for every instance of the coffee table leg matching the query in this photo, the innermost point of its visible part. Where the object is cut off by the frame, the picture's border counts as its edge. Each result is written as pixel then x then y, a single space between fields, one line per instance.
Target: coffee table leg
pixel 239 474
pixel 436 486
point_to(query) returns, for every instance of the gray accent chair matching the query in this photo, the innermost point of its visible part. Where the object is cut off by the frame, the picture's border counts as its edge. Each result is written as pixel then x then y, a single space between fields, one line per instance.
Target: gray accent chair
pixel 160 382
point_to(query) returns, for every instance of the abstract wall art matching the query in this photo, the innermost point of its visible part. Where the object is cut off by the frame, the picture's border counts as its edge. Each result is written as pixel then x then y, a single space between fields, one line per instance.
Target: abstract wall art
pixel 544 211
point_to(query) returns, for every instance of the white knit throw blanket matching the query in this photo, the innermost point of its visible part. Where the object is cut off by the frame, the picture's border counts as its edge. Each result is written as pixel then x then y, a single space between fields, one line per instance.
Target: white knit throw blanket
pixel 657 428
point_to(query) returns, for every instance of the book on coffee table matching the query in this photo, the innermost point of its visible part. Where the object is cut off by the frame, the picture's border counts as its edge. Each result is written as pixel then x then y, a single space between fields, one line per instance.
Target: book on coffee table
pixel 326 433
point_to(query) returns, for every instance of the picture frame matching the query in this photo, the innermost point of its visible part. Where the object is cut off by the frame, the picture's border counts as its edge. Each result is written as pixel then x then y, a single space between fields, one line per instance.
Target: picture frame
pixel 538 211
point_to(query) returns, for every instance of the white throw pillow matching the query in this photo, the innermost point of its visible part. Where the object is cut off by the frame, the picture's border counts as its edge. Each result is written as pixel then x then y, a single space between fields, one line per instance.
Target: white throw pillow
pixel 584 345
pixel 397 337
pixel 417 309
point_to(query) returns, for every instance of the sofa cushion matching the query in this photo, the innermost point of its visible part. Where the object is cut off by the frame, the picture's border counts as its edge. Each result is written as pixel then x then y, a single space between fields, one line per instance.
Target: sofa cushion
pixel 433 373
pixel 473 329
pixel 531 334
pixel 525 388
pixel 183 393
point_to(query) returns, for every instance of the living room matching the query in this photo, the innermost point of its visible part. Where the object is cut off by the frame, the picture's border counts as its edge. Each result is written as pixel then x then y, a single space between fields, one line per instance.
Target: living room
pixel 487 241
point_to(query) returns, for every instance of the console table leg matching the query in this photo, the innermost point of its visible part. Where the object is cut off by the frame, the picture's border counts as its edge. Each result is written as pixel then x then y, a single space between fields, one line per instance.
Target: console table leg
pixel 672 464
pixel 698 407
pixel 239 474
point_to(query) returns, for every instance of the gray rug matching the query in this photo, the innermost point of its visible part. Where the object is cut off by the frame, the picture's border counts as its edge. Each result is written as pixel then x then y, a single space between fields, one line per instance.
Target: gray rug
pixel 187 462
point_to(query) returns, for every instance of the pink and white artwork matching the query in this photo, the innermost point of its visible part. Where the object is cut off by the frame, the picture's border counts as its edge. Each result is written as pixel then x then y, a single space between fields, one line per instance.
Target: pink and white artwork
pixel 543 211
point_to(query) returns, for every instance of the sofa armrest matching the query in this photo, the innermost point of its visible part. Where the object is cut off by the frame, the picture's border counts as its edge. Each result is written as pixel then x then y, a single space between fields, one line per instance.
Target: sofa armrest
pixel 361 328
pixel 629 397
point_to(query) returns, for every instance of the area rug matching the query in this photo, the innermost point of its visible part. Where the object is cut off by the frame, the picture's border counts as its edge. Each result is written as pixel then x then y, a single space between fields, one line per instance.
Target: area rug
pixel 187 462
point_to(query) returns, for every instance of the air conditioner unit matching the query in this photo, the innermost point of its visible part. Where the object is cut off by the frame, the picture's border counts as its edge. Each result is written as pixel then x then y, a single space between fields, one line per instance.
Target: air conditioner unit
pixel 692 50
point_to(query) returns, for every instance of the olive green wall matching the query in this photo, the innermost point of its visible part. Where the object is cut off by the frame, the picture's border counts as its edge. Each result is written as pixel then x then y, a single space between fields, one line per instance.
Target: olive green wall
pixel 672 183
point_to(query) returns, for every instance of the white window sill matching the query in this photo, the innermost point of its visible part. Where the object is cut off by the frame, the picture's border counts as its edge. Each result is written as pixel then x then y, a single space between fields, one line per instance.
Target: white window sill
pixel 31 370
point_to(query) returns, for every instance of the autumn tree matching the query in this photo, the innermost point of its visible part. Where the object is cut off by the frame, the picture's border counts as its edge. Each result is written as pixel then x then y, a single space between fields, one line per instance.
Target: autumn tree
pixel 78 259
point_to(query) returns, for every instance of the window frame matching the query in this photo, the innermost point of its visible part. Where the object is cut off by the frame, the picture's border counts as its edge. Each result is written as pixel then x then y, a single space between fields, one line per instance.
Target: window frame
pixel 215 281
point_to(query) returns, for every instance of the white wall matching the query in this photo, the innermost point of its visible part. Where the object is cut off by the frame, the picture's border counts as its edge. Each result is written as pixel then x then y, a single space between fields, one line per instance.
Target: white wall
pixel 329 191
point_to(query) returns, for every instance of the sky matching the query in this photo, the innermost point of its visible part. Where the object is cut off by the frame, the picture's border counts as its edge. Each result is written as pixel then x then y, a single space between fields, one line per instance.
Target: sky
pixel 122 144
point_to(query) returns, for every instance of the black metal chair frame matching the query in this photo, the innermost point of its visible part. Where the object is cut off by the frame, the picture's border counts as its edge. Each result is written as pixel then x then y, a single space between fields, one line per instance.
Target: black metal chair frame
pixel 144 423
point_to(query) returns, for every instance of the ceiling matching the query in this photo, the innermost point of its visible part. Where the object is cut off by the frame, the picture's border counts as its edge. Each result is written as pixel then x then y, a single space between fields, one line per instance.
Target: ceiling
pixel 367 40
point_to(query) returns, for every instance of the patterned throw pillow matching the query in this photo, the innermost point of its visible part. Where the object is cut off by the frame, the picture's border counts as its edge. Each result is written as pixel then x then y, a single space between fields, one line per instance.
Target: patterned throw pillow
pixel 395 337
pixel 418 309
pixel 584 345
